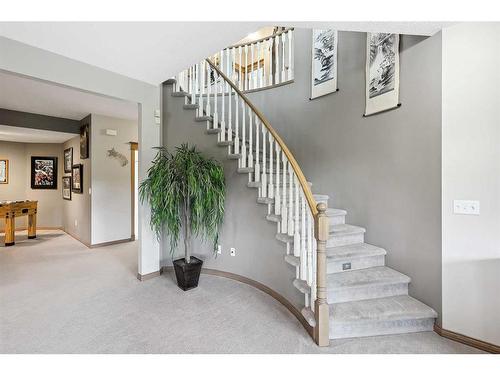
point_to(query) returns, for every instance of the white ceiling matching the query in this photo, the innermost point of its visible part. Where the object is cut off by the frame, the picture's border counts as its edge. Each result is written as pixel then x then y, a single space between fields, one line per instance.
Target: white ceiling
pixel 155 51
pixel 26 135
pixel 28 95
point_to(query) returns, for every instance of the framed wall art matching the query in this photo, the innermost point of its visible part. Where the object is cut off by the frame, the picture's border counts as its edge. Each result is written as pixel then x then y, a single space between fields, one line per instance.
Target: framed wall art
pixel 44 172
pixel 77 178
pixel 382 72
pixel 4 171
pixel 324 62
pixel 68 160
pixel 66 187
pixel 85 138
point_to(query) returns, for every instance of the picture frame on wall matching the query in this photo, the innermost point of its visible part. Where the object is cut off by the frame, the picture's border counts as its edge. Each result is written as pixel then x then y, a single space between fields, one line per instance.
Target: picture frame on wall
pixel 66 187
pixel 84 139
pixel 77 178
pixel 68 160
pixel 4 171
pixel 44 172
pixel 324 62
pixel 382 73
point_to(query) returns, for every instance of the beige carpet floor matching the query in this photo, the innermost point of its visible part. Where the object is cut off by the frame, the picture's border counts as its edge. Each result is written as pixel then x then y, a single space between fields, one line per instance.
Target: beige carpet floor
pixel 57 296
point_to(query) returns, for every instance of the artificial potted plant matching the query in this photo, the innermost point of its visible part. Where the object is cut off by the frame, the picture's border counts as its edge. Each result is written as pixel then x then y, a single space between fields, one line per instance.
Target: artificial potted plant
pixel 186 192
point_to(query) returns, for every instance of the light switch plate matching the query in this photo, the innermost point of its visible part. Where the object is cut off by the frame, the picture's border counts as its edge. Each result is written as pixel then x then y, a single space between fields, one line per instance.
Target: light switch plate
pixel 463 207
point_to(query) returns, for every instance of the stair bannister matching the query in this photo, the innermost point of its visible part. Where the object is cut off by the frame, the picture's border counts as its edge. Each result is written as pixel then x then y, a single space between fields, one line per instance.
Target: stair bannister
pixel 298 220
pixel 301 222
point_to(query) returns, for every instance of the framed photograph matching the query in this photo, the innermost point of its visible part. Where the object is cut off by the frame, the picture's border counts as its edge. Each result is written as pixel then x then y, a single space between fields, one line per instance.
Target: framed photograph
pixel 382 72
pixel 68 160
pixel 84 138
pixel 44 172
pixel 4 171
pixel 324 62
pixel 66 187
pixel 77 178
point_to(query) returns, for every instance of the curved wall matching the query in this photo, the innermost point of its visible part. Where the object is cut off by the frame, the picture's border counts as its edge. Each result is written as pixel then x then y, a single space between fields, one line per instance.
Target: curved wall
pixel 259 256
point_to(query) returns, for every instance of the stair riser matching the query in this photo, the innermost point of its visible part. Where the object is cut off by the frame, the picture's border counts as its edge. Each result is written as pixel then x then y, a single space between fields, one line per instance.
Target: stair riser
pixel 334 241
pixel 335 220
pixel 375 328
pixel 367 292
pixel 336 266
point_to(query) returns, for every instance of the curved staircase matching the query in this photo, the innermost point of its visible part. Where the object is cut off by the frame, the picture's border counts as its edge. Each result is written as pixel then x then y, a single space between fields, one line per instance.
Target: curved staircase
pixel 348 290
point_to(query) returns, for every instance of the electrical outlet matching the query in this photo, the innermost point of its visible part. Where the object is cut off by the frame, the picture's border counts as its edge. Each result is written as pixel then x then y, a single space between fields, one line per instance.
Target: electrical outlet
pixel 233 252
pixel 76 223
pixel 461 207
pixel 219 249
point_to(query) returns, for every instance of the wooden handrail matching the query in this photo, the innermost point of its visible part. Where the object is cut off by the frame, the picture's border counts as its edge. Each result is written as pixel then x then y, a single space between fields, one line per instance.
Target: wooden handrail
pixel 291 159
pixel 261 39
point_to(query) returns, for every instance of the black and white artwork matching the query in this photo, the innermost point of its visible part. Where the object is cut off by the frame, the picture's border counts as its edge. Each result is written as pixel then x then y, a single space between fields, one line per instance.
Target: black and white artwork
pixel 77 178
pixel 382 72
pixel 68 159
pixel 43 172
pixel 324 62
pixel 66 187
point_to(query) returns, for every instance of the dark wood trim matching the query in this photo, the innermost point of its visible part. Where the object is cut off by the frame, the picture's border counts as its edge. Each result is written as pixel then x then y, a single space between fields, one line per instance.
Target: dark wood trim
pixel 36 121
pixel 109 243
pixel 149 275
pixel 245 280
pixel 475 343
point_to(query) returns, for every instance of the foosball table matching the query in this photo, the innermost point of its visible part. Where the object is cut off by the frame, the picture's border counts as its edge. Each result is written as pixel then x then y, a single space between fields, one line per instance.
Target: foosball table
pixel 10 210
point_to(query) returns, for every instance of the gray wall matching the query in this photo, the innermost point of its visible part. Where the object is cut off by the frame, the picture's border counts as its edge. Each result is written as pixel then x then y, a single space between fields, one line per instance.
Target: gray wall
pixel 259 255
pixel 19 186
pixel 111 186
pixel 76 212
pixel 385 170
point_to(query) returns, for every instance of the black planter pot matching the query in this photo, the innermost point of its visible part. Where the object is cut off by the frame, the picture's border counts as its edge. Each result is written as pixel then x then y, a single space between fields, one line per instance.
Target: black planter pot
pixel 187 274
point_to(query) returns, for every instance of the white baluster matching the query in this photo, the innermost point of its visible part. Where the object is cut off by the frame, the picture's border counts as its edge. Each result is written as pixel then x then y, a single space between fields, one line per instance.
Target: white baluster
pixel 243 135
pixel 230 115
pixel 202 88
pixel 291 174
pixel 233 65
pixel 296 234
pixel 240 71
pixel 256 75
pixel 252 86
pixel 310 238
pixel 303 235
pixel 264 161
pixel 236 125
pixel 257 151
pixel 209 85
pixel 276 60
pixel 196 73
pixel 246 67
pixel 191 85
pixel 270 190
pixel 250 138
pixel 284 203
pixel 290 55
pixel 277 195
pixel 223 100
pixel 270 52
pixel 216 99
pixel 283 73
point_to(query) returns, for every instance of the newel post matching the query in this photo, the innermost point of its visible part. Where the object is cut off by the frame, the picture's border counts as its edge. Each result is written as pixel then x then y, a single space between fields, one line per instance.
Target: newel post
pixel 321 311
